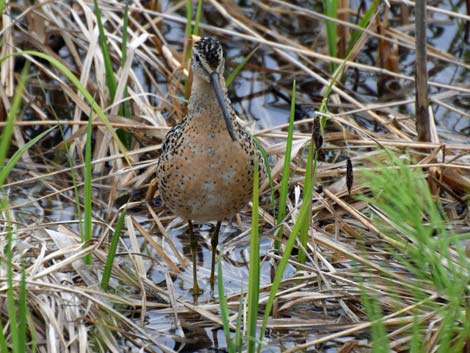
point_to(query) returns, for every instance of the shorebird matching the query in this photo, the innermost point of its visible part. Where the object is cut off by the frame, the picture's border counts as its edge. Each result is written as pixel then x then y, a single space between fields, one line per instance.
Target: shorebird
pixel 206 167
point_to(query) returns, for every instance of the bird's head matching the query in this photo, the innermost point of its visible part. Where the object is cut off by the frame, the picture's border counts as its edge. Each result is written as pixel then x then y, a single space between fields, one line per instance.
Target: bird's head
pixel 208 58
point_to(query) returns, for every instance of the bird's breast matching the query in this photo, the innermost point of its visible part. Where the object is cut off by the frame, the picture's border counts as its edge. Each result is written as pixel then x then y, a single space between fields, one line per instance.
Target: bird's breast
pixel 208 177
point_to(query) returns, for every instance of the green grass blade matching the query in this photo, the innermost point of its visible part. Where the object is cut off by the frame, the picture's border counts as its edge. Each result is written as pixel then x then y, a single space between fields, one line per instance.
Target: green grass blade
pixel 238 332
pixel 284 190
pixel 363 23
pixel 2 7
pixel 124 107
pixel 330 8
pixel 73 175
pixel 254 269
pixel 189 18
pixel 7 132
pixel 34 345
pixel 447 326
pixel 198 18
pixel 11 295
pixel 15 330
pixel 416 338
pixel 111 83
pixel 307 201
pixel 267 166
pixel 189 49
pixel 379 337
pixel 466 321
pixel 283 263
pixel 22 313
pixel 3 340
pixel 309 183
pixel 125 25
pixel 240 66
pixel 112 251
pixel 5 171
pixel 224 307
pixel 14 109
pixel 87 229
pixel 323 109
pixel 108 64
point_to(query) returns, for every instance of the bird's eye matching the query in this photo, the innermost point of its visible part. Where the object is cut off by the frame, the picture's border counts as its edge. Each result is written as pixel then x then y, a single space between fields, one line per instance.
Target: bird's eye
pixel 197 58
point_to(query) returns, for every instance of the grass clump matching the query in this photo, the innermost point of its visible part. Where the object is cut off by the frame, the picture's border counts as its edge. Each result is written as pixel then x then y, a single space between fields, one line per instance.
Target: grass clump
pixel 427 247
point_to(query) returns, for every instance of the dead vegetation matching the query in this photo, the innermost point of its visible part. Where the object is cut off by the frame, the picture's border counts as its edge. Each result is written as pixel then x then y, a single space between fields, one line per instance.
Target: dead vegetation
pixel 319 306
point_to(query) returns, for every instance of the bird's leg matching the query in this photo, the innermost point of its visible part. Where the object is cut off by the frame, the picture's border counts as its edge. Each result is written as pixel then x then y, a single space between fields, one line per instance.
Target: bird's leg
pixel 214 243
pixel 194 255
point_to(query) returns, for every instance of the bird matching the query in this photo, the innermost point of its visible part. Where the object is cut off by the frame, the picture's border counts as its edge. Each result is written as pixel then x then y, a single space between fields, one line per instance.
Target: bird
pixel 206 167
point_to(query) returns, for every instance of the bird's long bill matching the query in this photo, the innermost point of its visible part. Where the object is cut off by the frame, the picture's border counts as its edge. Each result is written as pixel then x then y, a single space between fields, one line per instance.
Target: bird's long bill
pixel 221 99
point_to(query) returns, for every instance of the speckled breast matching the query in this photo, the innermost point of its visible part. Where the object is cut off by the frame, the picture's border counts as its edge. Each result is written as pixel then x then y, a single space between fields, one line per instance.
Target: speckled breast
pixel 206 176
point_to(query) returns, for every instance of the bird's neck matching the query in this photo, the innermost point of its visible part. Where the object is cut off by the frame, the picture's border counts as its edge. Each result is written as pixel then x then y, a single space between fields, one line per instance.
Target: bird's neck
pixel 203 100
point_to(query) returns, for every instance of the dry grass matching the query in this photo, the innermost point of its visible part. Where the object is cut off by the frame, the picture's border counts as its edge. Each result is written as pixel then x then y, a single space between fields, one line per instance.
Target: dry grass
pixel 151 306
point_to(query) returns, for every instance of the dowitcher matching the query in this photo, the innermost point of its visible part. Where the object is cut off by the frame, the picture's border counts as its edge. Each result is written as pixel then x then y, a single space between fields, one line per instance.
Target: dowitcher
pixel 205 171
